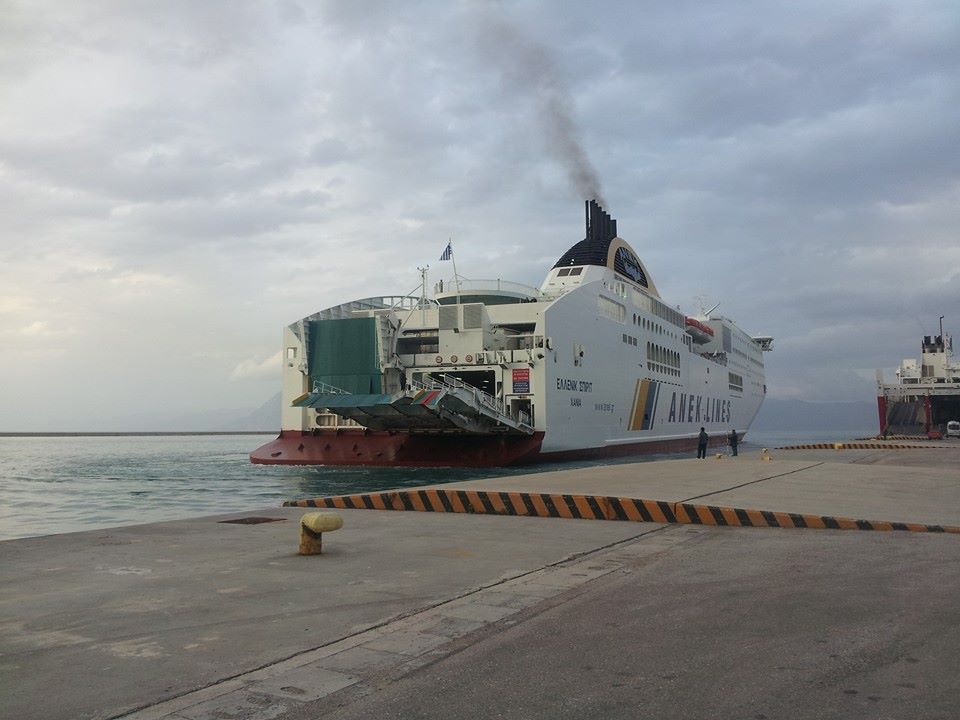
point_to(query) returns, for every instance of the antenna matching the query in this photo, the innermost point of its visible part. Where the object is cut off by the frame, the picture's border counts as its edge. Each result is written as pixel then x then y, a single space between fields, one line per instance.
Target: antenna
pixel 702 301
pixel 456 277
pixel 423 294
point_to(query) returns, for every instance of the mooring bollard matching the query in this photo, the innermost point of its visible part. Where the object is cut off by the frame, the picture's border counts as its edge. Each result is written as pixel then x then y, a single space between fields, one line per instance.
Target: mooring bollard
pixel 312 527
pixel 765 454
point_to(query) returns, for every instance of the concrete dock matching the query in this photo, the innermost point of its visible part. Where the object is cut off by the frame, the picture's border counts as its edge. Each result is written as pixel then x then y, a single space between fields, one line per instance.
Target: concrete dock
pixel 423 614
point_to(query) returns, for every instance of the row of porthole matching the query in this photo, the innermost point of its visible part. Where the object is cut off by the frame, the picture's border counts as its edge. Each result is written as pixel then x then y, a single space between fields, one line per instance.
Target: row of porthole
pixel 657 367
pixel 641 321
pixel 454 359
pixel 663 355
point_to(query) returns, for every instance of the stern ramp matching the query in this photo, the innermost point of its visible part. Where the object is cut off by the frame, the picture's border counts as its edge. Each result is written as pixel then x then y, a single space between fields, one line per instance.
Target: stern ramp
pixel 434 404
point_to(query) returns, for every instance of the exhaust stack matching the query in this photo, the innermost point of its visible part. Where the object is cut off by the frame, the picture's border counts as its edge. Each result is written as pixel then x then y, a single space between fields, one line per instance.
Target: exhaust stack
pixel 600 226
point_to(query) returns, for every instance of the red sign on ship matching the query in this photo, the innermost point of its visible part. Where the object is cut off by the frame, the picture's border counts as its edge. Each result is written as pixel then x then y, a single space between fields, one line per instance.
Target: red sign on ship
pixel 521 380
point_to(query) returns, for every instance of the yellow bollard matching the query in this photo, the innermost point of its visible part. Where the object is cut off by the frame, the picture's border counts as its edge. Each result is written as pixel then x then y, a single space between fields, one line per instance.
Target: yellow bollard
pixel 765 454
pixel 838 446
pixel 312 527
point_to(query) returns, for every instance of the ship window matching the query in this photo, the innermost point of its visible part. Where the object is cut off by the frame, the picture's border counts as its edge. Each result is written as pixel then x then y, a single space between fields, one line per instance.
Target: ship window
pixel 626 263
pixel 611 309
pixel 418 344
pixel 562 273
pixel 576 270
pixel 484 380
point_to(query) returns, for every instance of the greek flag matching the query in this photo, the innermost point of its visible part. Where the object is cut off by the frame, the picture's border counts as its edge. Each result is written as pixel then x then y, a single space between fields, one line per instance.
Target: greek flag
pixel 448 252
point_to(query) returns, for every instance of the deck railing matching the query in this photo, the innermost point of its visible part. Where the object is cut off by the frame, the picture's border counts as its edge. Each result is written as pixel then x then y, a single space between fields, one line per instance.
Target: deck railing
pixel 449 287
pixel 322 387
pixel 451 382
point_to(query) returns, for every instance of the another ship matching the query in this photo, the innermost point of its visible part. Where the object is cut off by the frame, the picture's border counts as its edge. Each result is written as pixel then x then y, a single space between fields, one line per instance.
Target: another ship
pixel 926 395
pixel 593 363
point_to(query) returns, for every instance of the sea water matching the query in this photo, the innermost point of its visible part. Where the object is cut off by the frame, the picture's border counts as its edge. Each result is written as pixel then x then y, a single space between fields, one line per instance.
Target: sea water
pixel 51 485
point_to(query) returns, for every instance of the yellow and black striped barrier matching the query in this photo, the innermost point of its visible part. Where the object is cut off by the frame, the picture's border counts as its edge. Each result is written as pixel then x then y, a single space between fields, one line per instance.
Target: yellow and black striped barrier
pixel 596 507
pixel 924 438
pixel 862 446
pixel 716 515
pixel 589 507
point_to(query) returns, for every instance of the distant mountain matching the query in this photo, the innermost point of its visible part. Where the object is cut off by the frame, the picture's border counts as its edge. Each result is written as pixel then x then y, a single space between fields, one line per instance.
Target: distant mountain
pixel 774 415
pixel 265 417
pixel 793 415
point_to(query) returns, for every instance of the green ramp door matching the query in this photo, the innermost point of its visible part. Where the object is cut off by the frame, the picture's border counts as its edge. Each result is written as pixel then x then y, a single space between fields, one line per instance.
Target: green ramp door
pixel 343 353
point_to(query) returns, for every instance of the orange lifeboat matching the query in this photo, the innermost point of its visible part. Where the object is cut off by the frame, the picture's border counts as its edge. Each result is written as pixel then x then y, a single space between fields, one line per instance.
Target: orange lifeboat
pixel 700 332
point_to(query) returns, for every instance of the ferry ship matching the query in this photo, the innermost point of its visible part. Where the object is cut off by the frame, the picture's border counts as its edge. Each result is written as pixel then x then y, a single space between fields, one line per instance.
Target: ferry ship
pixel 926 393
pixel 484 373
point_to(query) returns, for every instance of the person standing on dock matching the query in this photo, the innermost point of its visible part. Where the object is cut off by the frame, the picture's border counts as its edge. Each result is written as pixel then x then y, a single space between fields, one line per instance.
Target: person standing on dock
pixel 733 441
pixel 702 441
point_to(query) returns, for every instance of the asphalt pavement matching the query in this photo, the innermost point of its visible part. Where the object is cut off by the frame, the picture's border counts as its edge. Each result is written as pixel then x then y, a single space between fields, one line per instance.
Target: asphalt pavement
pixel 432 614
pixel 736 624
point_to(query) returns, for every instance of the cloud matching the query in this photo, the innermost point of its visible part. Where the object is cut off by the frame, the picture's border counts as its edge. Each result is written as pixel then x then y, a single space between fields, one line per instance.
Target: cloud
pixel 254 369
pixel 14 303
pixel 180 180
pixel 143 279
pixel 35 329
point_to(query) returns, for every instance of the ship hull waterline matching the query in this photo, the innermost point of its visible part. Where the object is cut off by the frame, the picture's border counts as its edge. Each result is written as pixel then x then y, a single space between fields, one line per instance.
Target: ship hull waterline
pixel 406 449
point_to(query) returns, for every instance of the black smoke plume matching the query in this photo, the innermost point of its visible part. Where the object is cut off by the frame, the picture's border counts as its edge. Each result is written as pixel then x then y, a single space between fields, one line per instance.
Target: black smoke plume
pixel 528 67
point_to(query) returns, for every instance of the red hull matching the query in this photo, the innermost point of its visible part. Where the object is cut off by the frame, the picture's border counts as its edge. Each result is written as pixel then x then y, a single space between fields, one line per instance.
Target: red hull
pixel 405 449
pixel 882 411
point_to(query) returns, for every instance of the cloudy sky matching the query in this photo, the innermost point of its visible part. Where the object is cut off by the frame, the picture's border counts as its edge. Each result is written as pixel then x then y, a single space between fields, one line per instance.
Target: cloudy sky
pixel 178 180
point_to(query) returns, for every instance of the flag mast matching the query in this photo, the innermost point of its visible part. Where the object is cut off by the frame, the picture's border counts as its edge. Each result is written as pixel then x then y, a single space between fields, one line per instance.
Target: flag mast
pixel 456 277
pixel 423 294
pixel 448 255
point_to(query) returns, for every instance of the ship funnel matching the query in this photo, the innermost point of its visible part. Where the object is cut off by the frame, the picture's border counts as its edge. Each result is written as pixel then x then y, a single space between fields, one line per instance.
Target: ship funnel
pixel 600 226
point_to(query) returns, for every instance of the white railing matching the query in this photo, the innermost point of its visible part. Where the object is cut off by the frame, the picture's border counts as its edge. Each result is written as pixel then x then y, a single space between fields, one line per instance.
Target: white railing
pixel 381 302
pixel 718 357
pixel 450 382
pixel 449 287
pixel 322 387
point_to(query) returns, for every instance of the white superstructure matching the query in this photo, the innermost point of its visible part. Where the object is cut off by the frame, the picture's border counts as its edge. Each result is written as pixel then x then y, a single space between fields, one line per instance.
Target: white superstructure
pixel 926 394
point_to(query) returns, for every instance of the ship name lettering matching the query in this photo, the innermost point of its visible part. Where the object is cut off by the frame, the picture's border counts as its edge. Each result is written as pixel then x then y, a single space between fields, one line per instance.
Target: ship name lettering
pixel 574 385
pixel 696 408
